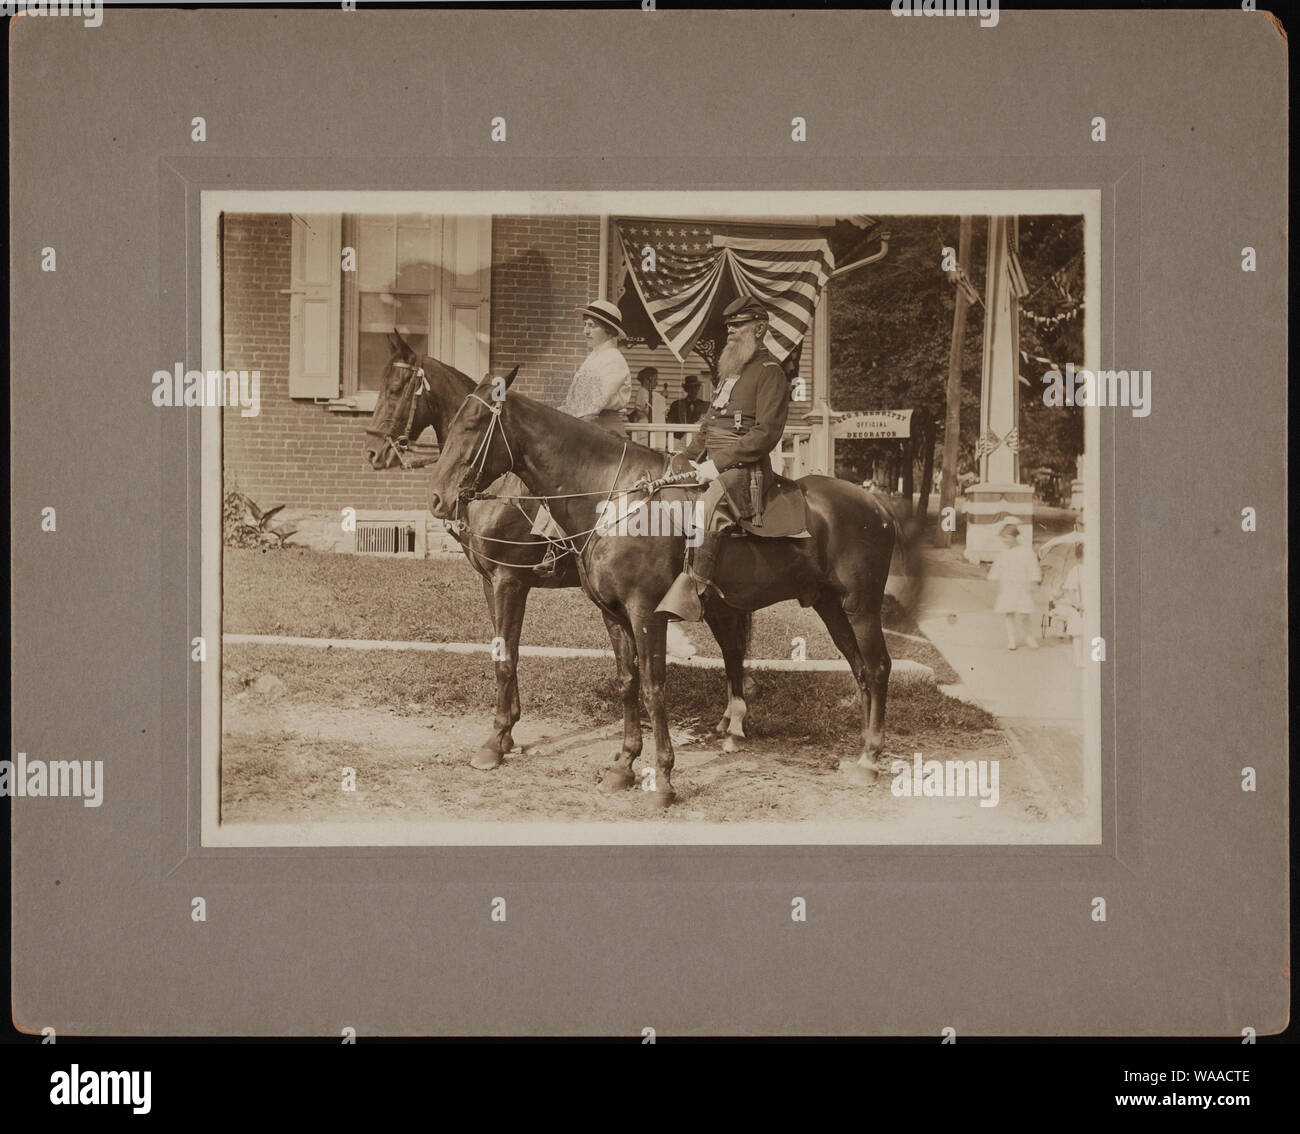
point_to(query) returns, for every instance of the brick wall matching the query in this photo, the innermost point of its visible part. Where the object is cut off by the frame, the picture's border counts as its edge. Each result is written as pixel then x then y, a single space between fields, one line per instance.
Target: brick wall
pixel 300 454
pixel 294 452
pixel 543 268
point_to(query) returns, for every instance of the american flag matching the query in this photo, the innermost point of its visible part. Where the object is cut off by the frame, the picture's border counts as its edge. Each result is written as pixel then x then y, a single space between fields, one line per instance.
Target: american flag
pixel 697 272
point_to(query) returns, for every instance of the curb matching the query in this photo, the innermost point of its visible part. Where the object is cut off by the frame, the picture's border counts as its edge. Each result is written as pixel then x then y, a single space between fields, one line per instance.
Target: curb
pixel 904 672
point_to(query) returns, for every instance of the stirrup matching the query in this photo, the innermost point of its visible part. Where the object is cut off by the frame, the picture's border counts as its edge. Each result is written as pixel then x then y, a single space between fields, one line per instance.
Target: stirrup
pixel 546 568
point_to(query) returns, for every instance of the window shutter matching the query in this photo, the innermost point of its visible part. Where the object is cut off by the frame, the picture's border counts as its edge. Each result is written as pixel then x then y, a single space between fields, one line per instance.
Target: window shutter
pixel 467 292
pixel 314 306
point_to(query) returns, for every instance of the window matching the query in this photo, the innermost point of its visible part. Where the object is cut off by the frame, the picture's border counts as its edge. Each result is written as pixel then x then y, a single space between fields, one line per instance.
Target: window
pixel 396 285
pixel 427 276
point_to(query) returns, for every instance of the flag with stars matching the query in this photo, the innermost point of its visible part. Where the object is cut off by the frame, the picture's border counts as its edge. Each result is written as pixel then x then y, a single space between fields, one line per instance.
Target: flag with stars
pixel 685 274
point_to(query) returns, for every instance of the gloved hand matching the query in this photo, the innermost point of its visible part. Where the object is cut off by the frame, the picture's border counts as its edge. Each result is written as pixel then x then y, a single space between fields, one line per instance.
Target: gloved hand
pixel 706 471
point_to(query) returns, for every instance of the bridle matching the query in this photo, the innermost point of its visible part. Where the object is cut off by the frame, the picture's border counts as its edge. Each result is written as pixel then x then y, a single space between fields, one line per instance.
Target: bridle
pixel 472 477
pixel 413 388
pixel 468 488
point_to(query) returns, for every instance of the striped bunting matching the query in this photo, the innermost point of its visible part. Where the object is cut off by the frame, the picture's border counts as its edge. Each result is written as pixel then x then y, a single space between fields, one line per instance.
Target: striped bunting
pixel 696 269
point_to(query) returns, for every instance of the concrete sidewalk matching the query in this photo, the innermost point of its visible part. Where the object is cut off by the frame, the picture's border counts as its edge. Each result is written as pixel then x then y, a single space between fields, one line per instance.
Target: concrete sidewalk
pixel 1037 695
pixel 957 615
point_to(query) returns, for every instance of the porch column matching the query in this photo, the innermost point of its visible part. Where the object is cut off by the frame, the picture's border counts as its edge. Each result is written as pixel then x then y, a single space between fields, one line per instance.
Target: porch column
pixel 999 492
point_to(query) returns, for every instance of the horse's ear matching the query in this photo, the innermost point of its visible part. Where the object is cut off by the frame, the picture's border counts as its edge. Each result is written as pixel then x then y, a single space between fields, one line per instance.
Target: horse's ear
pixel 495 388
pixel 401 342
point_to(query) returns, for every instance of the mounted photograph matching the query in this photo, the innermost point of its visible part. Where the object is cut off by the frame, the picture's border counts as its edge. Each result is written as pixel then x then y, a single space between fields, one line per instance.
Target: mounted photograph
pixel 661 518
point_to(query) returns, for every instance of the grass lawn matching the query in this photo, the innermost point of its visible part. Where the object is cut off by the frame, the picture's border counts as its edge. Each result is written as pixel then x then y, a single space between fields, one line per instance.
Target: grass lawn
pixel 819 708
pixel 298 592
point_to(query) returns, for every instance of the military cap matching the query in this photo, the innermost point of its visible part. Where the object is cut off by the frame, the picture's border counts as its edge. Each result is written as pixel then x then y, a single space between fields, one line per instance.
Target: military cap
pixel 746 309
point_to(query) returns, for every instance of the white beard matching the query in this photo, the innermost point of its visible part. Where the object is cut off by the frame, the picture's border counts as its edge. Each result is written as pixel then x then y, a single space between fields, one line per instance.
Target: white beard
pixel 736 354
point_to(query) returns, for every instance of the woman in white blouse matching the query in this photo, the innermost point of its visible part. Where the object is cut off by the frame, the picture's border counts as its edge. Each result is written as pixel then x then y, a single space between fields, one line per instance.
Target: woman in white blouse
pixel 601 390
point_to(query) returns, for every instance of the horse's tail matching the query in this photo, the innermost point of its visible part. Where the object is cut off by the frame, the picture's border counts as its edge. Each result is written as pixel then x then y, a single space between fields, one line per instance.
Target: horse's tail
pixel 907 561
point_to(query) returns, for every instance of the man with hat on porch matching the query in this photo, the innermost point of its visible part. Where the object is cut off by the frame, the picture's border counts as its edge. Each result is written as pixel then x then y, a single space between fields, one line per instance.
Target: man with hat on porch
pixel 731 450
pixel 601 389
pixel 689 408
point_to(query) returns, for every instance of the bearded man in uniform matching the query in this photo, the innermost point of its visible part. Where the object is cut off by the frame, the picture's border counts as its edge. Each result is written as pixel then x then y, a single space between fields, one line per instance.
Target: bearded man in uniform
pixel 731 450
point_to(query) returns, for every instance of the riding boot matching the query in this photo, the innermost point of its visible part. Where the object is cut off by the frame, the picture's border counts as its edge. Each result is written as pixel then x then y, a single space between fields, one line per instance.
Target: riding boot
pixel 683 598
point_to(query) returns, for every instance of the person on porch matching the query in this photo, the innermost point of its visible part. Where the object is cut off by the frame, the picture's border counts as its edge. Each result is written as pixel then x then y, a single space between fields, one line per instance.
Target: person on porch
pixel 646 399
pixel 689 408
pixel 731 452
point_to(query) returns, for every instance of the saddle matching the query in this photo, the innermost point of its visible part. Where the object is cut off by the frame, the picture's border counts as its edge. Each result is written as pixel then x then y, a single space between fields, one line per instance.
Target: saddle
pixel 783 513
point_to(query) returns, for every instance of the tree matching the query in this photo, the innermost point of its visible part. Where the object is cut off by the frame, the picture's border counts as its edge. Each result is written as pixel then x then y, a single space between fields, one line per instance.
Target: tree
pixel 891 327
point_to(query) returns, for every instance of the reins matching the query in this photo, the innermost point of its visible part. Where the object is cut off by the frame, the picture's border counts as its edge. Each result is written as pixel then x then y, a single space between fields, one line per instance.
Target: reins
pixel 416 387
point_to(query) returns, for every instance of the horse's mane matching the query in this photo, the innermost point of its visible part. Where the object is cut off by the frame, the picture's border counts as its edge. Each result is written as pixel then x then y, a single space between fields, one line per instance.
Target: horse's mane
pixel 428 359
pixel 590 435
pixel 587 432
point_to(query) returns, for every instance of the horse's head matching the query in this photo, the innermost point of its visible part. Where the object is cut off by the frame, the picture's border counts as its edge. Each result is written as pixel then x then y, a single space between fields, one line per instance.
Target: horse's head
pixel 401 414
pixel 474 451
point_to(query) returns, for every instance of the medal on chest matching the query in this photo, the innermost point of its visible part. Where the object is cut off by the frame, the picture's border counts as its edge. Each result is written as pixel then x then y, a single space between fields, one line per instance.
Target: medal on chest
pixel 739 419
pixel 723 395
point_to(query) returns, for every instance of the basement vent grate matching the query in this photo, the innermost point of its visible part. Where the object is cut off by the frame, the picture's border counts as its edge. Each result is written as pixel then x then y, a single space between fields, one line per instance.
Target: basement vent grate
pixel 390 535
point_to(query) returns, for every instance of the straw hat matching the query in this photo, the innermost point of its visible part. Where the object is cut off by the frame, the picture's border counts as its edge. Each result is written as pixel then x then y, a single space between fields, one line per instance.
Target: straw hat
pixel 605 313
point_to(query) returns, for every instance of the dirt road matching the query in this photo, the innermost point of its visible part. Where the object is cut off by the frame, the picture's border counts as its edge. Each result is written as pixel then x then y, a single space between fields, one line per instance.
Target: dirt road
pixel 284 763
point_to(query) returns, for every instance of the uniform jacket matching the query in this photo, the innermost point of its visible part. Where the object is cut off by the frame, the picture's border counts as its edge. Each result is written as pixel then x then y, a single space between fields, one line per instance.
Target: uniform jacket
pixel 739 435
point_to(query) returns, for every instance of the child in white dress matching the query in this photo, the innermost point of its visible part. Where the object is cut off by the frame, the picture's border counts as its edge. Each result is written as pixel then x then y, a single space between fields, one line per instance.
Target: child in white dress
pixel 1016 571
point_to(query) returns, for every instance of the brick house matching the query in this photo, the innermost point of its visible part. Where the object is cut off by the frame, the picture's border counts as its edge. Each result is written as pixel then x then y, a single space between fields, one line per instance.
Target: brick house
pixel 481 293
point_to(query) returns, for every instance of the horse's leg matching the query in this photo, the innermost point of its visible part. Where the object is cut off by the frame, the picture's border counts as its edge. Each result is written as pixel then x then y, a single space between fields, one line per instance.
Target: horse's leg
pixel 514 626
pixel 508 596
pixel 650 630
pixel 846 638
pixel 731 629
pixel 618 776
pixel 871 641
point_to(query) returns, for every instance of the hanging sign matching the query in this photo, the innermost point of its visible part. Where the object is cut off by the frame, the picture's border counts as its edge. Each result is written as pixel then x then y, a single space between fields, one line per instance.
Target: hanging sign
pixel 873 424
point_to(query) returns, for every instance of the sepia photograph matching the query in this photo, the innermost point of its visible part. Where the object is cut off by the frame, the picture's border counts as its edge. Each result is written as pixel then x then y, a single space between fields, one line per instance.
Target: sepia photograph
pixel 553 535
pixel 684 518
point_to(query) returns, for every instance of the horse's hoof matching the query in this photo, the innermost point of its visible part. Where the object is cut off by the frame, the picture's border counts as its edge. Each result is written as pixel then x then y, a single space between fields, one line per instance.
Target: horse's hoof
pixel 730 745
pixel 485 759
pixel 616 779
pixel 658 800
pixel 860 775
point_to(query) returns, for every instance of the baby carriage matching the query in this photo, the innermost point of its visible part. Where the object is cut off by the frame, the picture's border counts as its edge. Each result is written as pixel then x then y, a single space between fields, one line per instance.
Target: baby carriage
pixel 1055 559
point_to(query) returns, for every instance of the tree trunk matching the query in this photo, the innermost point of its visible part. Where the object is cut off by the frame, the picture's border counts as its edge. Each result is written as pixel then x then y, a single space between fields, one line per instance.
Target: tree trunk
pixel 952 424
pixel 927 467
pixel 909 465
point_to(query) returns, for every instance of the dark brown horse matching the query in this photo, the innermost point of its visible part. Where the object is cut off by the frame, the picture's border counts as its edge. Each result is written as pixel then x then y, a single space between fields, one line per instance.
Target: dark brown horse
pixel 841 571
pixel 497 539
